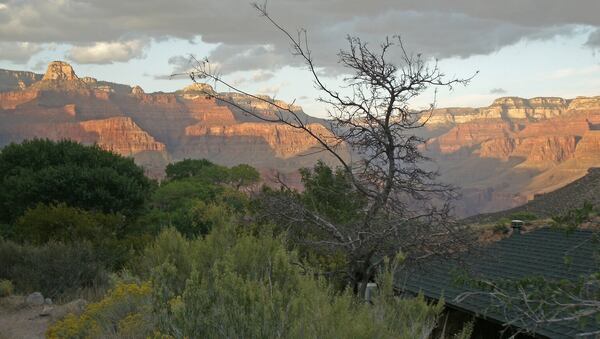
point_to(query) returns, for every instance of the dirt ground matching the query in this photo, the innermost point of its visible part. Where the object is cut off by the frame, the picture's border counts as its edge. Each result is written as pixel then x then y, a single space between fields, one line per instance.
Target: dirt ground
pixel 21 321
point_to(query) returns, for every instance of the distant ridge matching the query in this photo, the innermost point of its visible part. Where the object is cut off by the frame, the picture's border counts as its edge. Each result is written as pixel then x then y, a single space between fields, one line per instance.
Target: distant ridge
pixel 556 202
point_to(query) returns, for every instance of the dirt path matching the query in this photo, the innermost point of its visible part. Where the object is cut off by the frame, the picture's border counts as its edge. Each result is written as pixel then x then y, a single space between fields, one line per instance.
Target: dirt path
pixel 20 321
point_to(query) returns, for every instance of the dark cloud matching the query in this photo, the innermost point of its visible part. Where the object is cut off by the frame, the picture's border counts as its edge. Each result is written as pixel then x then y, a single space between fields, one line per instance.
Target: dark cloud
pixel 18 52
pixel 594 39
pixel 439 28
pixel 182 65
pixel 498 91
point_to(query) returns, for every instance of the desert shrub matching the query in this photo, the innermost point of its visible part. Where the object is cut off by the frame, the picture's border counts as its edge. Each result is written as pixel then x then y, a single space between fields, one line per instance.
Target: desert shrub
pixel 524 215
pixel 168 247
pixel 6 288
pixel 502 226
pixel 246 284
pixel 123 313
pixel 53 268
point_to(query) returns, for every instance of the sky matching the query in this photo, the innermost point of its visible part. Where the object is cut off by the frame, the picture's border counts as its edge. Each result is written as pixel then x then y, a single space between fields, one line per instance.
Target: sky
pixel 523 48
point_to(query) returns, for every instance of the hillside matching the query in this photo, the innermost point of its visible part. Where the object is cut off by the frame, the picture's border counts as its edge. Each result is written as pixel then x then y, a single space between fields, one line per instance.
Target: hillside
pixel 546 205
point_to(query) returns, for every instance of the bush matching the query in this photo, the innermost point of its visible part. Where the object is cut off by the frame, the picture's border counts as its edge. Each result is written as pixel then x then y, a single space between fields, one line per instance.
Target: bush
pixel 6 288
pixel 60 222
pixel 123 313
pixel 43 171
pixel 247 285
pixel 524 216
pixel 53 268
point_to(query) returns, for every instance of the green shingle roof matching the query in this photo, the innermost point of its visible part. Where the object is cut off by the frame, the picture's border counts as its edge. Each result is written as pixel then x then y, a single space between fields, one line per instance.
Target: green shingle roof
pixel 538 253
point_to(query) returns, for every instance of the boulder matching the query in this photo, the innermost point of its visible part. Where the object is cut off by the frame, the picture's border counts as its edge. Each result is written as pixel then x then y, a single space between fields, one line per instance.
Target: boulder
pixel 35 299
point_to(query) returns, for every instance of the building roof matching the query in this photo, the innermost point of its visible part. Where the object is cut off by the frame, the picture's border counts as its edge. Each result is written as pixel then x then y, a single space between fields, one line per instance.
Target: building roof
pixel 539 253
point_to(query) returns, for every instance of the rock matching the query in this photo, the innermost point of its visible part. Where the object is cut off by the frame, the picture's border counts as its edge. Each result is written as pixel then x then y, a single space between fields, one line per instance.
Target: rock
pixel 46 311
pixel 60 70
pixel 35 299
pixel 89 80
pixel 200 88
pixel 137 90
pixel 48 301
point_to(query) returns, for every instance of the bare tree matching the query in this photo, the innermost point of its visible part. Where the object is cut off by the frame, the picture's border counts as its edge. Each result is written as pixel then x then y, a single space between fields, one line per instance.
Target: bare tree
pixel 406 210
pixel 530 303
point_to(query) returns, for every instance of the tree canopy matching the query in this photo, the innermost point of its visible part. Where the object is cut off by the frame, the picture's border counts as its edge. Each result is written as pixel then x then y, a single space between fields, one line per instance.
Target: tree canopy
pixel 87 177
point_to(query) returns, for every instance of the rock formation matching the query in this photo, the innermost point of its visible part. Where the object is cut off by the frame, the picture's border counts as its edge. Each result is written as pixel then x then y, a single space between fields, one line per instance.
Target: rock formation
pixel 153 128
pixel 500 155
pixel 59 70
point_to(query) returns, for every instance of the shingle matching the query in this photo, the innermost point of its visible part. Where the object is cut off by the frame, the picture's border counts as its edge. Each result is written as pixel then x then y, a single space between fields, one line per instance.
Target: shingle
pixel 538 253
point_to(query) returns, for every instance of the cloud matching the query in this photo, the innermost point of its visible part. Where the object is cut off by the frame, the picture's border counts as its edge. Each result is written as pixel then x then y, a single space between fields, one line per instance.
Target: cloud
pixel 440 28
pixel 498 91
pixel 593 40
pixel 262 76
pixel 182 65
pixel 18 52
pixel 108 52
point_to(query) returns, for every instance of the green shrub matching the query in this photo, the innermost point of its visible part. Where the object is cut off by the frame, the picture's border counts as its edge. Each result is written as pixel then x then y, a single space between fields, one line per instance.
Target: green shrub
pixel 248 285
pixel 524 216
pixel 6 288
pixel 60 222
pixel 573 218
pixel 53 268
pixel 44 171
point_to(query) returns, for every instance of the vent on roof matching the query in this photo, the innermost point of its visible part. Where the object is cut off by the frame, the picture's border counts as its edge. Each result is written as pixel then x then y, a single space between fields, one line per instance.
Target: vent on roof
pixel 516 225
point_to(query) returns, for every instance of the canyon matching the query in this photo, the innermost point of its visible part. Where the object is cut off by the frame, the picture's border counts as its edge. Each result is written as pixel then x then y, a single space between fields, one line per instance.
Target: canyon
pixel 500 156
pixel 504 154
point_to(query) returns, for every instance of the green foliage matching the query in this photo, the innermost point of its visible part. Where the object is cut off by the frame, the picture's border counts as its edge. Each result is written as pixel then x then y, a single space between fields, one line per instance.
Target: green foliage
pixel 188 168
pixel 524 216
pixel 60 222
pixel 195 204
pixel 202 169
pixel 123 313
pixel 573 218
pixel 247 285
pixel 502 226
pixel 331 194
pixel 243 175
pixel 53 268
pixel 43 171
pixel 171 248
pixel 6 288
pixel 466 332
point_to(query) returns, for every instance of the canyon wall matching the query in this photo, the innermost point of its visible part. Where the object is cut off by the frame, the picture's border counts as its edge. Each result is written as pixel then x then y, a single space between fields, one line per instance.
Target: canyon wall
pixel 500 156
pixel 153 128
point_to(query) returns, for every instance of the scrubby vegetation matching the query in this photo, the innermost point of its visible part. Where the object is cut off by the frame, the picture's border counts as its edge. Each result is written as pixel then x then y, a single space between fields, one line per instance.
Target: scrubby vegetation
pixel 192 256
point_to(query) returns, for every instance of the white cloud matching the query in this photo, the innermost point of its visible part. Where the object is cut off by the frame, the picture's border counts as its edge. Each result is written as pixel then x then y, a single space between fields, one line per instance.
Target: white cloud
pixel 108 52
pixel 3 7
